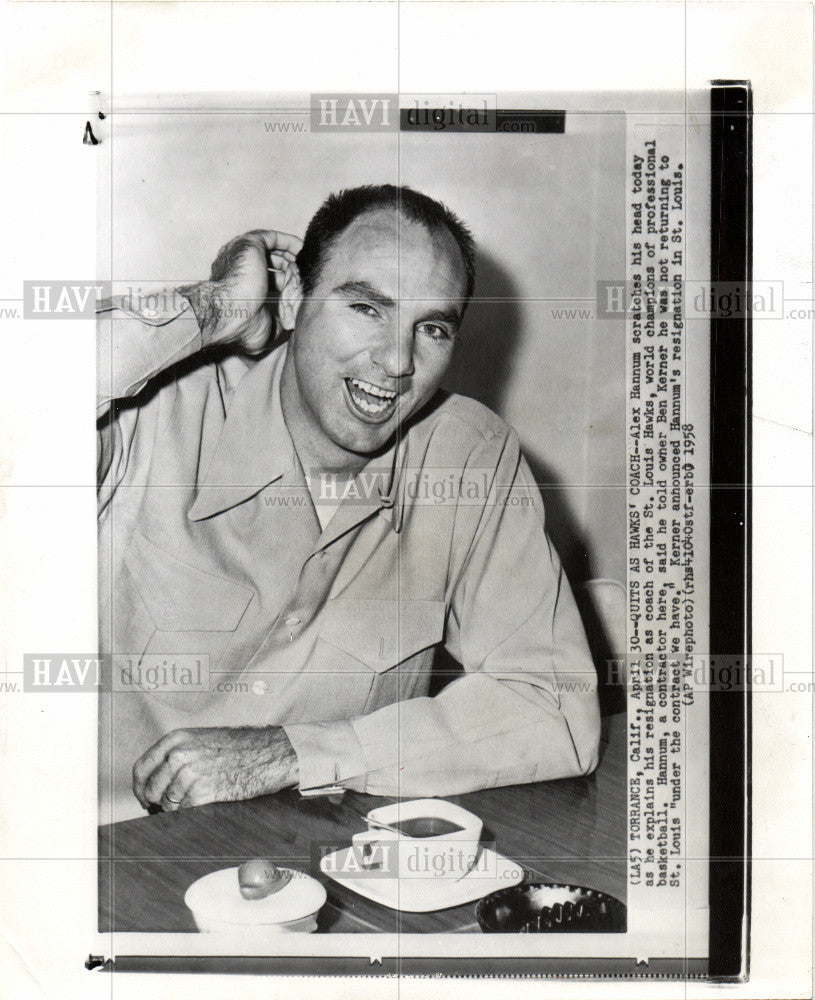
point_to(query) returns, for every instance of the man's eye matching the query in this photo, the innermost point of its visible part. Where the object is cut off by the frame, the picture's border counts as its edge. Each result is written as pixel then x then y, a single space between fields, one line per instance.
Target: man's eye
pixel 364 308
pixel 434 331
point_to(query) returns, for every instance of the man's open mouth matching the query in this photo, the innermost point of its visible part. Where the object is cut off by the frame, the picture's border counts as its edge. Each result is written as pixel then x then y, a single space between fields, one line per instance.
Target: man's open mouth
pixel 370 402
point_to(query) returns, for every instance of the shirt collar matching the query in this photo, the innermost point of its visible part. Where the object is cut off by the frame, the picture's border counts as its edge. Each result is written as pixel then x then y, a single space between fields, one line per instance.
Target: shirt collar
pixel 256 449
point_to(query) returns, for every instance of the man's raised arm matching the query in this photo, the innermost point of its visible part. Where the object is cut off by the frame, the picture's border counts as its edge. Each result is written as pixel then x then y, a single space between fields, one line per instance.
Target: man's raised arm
pixel 134 345
pixel 138 340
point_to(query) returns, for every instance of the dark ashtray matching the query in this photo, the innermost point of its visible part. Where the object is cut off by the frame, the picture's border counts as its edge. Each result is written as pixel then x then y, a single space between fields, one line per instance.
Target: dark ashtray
pixel 545 907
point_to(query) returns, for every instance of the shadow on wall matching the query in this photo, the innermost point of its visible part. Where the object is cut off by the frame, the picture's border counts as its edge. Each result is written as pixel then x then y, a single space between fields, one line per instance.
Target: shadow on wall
pixel 481 368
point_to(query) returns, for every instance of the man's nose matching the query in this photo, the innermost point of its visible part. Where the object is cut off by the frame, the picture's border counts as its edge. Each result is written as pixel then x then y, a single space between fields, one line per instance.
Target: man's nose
pixel 394 352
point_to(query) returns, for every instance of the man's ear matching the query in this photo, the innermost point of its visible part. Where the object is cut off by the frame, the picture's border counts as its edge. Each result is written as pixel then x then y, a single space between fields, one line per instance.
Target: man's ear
pixel 291 298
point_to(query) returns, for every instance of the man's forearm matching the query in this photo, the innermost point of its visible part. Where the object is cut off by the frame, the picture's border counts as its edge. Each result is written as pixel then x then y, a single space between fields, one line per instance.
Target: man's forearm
pixel 479 732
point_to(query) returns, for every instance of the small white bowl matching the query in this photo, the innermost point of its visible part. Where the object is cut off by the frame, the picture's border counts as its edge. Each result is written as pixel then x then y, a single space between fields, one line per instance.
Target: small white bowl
pixel 217 905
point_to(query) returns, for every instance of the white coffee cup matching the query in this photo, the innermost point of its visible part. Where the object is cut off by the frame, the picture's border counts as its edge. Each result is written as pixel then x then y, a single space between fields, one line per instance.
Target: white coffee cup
pixel 425 839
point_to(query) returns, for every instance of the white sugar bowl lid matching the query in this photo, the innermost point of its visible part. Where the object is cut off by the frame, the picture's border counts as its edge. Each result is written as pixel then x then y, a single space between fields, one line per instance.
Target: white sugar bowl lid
pixel 216 900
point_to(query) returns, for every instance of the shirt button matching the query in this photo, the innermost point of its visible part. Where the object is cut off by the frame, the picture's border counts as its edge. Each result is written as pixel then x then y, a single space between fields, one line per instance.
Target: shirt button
pixel 292 621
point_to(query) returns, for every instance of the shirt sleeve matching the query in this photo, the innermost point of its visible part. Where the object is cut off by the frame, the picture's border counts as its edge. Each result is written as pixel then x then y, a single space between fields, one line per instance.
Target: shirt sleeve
pixel 526 708
pixel 133 346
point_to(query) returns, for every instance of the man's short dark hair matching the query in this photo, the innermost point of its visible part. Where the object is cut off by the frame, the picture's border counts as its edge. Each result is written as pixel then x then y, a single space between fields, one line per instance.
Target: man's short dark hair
pixel 339 210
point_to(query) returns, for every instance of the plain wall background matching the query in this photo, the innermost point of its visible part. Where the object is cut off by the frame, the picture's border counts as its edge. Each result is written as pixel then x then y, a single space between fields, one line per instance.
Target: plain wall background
pixel 547 212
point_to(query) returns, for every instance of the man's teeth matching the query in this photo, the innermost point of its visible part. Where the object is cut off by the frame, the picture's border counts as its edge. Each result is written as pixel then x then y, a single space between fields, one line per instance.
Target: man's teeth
pixel 373 390
pixel 370 398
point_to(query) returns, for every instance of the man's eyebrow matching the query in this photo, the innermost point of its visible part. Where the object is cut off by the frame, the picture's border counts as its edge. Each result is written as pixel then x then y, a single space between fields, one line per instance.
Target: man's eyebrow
pixel 365 291
pixel 451 316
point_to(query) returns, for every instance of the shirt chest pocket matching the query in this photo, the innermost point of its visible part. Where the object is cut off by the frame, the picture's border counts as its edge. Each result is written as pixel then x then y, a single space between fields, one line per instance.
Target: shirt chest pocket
pixel 166 609
pixel 372 637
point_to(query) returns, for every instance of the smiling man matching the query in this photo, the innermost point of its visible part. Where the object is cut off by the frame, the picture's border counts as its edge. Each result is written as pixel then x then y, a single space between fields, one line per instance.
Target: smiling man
pixel 304 526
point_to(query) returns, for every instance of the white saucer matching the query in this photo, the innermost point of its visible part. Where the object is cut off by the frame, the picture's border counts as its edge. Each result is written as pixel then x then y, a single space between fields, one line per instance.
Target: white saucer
pixel 422 895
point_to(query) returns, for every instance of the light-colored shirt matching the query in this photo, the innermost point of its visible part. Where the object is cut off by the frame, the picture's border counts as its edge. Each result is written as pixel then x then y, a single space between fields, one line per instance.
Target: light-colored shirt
pixel 211 553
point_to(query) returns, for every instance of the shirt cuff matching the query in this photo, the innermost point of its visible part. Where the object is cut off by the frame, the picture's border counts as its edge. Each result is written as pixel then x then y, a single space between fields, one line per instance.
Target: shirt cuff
pixel 156 309
pixel 328 753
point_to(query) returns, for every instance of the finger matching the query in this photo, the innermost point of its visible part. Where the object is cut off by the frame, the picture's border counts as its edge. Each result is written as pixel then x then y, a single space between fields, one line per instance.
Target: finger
pixel 282 277
pixel 151 759
pixel 176 790
pixel 280 263
pixel 283 255
pixel 157 783
pixel 177 760
pixel 278 241
pixel 197 794
pixel 286 243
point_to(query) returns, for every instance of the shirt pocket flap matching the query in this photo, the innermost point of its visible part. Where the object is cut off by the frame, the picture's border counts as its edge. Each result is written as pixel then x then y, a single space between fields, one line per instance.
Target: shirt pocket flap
pixel 382 633
pixel 183 598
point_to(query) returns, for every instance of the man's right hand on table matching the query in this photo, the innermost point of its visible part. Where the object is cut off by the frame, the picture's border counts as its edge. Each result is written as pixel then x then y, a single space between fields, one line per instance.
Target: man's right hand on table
pixel 192 767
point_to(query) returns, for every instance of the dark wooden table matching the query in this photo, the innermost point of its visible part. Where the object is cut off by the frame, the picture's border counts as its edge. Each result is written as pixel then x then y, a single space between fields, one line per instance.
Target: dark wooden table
pixel 560 831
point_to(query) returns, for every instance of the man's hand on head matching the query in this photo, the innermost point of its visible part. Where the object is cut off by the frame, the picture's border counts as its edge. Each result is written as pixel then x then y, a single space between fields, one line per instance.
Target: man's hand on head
pixel 237 305
pixel 191 767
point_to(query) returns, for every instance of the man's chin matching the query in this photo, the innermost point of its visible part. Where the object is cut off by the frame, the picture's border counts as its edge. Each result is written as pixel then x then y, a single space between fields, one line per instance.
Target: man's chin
pixel 367 438
pixel 370 445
